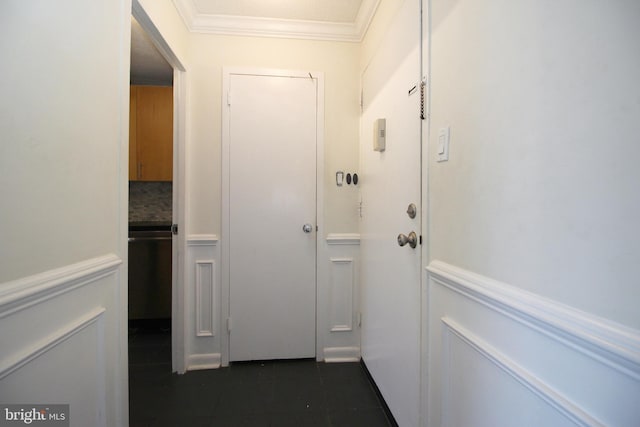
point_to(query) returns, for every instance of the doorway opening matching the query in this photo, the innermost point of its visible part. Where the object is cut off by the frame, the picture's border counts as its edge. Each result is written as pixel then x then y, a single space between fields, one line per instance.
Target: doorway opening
pixel 156 195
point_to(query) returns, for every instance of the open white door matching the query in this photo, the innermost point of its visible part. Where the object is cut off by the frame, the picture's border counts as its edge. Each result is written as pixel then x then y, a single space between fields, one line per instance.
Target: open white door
pixel 391 181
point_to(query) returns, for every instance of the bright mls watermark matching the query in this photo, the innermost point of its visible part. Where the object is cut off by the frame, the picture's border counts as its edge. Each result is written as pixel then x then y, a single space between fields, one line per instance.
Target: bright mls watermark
pixel 35 415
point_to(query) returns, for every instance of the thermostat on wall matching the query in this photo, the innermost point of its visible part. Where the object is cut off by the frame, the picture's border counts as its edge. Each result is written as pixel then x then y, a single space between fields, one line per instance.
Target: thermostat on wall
pixel 379 134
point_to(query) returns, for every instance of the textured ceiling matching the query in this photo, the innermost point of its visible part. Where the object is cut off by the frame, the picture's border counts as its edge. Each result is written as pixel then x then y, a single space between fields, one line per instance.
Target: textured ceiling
pixel 342 11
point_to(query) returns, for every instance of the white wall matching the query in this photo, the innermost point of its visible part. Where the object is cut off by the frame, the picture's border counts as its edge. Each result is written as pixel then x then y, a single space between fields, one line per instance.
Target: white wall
pixel 60 123
pixel 541 190
pixel 533 233
pixel 338 62
pixel 63 157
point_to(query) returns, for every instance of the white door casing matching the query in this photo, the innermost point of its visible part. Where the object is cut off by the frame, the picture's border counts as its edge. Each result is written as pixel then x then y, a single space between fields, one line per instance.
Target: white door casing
pixel 391 180
pixel 178 246
pixel 271 145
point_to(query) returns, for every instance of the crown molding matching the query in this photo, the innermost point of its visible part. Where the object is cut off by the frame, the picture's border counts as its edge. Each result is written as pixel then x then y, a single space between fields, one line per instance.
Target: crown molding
pixel 197 22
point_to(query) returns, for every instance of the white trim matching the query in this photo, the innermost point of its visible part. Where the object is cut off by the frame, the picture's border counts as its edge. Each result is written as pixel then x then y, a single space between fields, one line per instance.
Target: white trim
pixel 347 303
pixel 541 389
pixel 224 258
pixel 179 275
pixel 19 360
pixel 343 239
pixel 203 361
pixel 25 292
pixel 341 354
pixel 205 307
pixel 197 22
pixel 613 344
pixel 202 240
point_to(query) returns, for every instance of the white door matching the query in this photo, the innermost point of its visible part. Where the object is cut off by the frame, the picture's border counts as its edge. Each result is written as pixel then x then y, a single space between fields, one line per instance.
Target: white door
pixel 272 216
pixel 390 183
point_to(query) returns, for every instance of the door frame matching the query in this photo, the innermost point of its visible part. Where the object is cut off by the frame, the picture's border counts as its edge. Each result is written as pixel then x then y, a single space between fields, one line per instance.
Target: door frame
pixel 226 189
pixel 425 73
pixel 178 247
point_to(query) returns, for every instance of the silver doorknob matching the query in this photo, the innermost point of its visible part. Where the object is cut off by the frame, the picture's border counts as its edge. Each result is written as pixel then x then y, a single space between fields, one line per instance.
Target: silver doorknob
pixel 307 228
pixel 411 239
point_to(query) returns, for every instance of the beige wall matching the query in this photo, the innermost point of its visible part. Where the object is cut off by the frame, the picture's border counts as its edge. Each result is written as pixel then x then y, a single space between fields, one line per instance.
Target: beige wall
pixel 339 63
pixel 541 189
pixel 386 11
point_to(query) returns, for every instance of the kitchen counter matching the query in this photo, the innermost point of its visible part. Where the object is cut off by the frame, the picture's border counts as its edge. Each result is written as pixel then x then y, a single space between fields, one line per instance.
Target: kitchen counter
pixel 149 226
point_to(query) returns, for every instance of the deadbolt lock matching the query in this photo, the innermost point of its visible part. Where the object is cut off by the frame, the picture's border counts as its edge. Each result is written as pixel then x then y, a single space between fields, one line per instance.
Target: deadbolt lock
pixel 412 210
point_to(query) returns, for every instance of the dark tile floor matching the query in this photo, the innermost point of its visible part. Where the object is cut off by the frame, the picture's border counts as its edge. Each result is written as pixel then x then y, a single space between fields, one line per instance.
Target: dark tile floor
pixel 274 393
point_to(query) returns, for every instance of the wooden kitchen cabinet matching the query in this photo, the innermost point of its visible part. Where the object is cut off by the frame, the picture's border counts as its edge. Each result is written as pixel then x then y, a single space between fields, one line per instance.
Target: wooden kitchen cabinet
pixel 151 133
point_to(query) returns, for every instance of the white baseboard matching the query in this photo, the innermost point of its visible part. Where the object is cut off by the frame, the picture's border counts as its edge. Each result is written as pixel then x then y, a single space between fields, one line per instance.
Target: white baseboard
pixel 341 354
pixel 204 361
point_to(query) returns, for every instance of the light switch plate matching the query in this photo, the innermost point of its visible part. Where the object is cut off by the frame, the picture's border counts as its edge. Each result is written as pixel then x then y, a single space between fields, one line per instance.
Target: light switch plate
pixel 442 145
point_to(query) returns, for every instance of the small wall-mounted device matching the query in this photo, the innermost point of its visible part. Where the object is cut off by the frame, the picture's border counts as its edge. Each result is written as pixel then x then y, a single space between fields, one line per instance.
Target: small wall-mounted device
pixel 339 178
pixel 379 134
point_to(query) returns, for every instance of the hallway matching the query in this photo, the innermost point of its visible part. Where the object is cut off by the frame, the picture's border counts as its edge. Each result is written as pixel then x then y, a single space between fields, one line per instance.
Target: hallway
pixel 274 393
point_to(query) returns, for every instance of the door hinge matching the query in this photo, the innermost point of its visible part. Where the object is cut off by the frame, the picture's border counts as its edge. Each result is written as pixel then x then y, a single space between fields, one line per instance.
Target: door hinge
pixel 359 319
pixel 229 324
pixel 174 229
pixel 229 97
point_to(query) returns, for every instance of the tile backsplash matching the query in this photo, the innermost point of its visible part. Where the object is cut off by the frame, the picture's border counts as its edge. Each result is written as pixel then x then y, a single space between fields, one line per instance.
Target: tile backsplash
pixel 150 201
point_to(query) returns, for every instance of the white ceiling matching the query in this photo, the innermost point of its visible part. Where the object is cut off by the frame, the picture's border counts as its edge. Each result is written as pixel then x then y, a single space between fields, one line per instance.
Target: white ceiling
pixel 342 20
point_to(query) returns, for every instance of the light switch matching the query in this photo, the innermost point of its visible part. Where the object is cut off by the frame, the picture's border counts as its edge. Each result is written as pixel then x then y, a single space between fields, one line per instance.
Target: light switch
pixel 443 144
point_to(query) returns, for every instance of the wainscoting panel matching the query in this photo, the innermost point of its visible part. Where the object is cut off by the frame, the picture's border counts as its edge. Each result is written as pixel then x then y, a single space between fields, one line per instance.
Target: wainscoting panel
pixel 60 339
pixel 342 274
pixel 202 303
pixel 205 298
pixel 498 355
pixel 338 297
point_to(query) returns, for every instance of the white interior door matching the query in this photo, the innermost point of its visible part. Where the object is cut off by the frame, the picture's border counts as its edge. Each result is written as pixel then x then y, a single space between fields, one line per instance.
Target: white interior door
pixel 391 180
pixel 272 197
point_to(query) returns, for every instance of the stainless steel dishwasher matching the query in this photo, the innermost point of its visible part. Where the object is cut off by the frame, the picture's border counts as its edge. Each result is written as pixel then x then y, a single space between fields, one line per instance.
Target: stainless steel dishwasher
pixel 149 274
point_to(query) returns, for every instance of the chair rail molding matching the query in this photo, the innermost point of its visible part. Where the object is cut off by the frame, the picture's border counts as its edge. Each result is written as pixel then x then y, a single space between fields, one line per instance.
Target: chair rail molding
pixel 613 344
pixel 547 362
pixel 25 292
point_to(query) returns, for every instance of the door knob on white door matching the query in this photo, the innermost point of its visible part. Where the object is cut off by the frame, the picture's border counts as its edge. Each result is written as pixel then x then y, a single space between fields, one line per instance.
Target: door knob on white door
pixel 307 228
pixel 411 239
